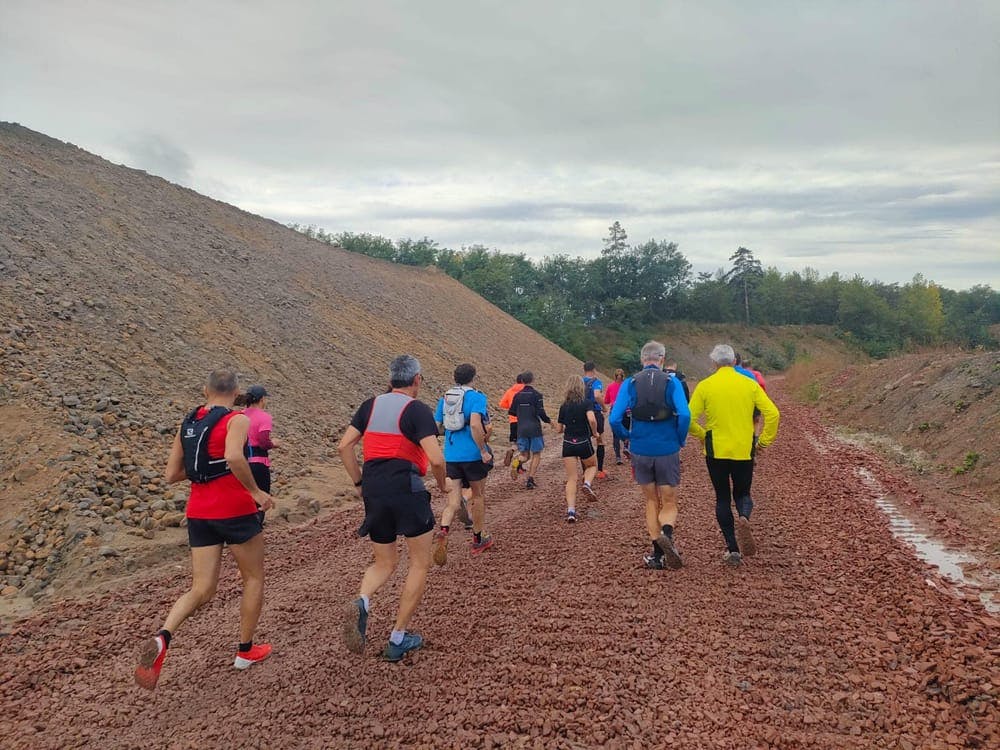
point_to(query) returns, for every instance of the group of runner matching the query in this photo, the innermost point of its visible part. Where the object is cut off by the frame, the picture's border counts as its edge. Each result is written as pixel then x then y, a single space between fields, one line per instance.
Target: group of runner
pixel 650 417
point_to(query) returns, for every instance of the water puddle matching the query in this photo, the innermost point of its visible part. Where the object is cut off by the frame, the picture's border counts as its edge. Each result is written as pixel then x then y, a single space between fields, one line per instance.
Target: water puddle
pixel 948 562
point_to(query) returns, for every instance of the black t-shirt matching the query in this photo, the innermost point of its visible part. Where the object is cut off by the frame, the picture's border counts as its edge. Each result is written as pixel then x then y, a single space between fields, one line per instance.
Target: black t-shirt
pixel 573 414
pixel 528 407
pixel 395 476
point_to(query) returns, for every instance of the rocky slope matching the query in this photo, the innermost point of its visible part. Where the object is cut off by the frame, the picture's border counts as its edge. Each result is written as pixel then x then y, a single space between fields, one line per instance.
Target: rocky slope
pixel 935 413
pixel 120 291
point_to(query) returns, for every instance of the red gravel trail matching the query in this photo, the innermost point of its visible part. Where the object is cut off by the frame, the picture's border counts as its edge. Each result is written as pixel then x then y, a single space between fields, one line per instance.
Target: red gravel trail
pixel 831 637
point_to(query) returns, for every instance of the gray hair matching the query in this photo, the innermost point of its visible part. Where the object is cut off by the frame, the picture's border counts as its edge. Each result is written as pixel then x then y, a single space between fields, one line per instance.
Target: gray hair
pixel 222 381
pixel 723 355
pixel 652 351
pixel 403 370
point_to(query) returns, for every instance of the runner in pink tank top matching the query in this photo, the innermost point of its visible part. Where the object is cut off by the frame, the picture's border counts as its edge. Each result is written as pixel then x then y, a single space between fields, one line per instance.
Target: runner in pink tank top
pixel 259 435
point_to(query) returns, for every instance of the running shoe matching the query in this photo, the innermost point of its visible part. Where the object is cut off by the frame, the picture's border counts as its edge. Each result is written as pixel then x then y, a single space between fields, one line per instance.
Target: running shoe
pixel 602 475
pixel 588 491
pixel 571 516
pixel 394 652
pixel 732 559
pixel 246 659
pixel 484 543
pixel 618 462
pixel 440 547
pixel 530 484
pixel 652 562
pixel 152 652
pixel 463 514
pixel 355 625
pixel 744 537
pixel 508 456
pixel 671 557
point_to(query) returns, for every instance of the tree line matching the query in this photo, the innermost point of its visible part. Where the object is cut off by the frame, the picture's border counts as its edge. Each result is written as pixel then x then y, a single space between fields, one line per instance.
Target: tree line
pixel 632 287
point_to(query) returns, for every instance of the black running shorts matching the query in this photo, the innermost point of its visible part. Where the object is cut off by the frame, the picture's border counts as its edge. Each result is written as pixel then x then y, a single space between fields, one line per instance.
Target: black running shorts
pixel 582 449
pixel 599 416
pixel 390 516
pixel 467 471
pixel 207 532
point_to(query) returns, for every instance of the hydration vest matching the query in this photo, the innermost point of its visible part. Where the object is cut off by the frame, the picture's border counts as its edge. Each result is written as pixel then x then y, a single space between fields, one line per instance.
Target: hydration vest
pixel 384 439
pixel 196 432
pixel 651 402
pixel 588 384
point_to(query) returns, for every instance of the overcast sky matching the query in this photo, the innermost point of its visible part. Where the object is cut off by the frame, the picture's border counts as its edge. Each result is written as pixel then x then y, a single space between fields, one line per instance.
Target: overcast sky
pixel 858 137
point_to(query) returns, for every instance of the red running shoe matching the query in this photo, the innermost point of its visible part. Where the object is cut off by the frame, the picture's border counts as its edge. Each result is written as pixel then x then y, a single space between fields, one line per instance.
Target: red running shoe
pixel 602 475
pixel 152 652
pixel 480 547
pixel 258 652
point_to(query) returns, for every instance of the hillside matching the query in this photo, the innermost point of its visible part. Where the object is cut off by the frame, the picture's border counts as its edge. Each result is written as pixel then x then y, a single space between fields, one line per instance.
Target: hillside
pixel 120 291
pixel 936 413
pixel 770 348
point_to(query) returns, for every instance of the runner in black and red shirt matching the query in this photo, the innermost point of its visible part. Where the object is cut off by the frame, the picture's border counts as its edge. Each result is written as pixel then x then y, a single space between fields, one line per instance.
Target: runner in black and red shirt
pixel 399 442
pixel 225 508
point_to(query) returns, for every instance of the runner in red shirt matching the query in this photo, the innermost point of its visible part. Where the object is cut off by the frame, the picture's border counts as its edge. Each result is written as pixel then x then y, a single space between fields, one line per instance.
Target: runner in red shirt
pixel 225 508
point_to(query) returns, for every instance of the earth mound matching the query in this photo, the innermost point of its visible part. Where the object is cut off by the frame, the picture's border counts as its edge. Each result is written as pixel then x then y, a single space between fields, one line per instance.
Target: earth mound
pixel 120 291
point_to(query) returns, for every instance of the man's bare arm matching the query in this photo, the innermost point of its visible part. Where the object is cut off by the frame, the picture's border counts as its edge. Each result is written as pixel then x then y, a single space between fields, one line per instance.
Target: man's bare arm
pixel 348 457
pixel 236 438
pixel 175 462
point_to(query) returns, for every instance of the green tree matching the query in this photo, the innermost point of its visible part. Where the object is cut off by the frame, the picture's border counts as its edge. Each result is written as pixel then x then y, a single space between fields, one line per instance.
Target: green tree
pixel 366 244
pixel 969 314
pixel 921 312
pixel 662 274
pixel 744 275
pixel 868 318
pixel 710 299
pixel 616 241
pixel 422 252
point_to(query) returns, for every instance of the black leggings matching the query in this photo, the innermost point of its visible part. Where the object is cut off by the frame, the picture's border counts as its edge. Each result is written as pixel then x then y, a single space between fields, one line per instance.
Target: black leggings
pixel 618 442
pixel 262 475
pixel 722 470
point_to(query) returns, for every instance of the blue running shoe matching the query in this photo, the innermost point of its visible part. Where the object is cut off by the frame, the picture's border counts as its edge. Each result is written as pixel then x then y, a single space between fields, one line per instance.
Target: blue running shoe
pixel 355 625
pixel 411 642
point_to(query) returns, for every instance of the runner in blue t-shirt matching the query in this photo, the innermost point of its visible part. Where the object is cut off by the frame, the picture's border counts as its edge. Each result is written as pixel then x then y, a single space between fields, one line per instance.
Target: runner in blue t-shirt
pixel 467 458
pixel 595 392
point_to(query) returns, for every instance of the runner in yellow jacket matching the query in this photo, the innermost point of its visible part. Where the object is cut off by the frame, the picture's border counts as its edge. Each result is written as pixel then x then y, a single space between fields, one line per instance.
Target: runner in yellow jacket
pixel 728 399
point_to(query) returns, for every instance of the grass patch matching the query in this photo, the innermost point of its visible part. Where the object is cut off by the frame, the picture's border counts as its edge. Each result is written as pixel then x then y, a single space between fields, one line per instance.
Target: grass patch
pixel 971 459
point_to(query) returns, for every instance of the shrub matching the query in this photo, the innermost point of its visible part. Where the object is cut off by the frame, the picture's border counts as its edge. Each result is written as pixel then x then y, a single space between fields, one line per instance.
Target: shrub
pixel 971 459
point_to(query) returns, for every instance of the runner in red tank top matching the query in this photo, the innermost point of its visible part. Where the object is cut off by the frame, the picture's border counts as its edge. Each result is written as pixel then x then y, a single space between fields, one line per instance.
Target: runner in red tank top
pixel 226 507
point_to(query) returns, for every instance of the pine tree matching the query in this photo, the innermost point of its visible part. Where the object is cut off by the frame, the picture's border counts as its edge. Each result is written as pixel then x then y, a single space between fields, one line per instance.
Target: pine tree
pixel 744 275
pixel 617 240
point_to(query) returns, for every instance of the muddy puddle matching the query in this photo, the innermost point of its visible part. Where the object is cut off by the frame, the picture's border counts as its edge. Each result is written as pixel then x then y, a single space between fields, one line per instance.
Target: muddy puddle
pixel 950 563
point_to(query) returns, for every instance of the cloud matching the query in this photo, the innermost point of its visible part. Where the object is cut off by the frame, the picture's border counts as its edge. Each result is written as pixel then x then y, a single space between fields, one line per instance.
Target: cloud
pixel 157 155
pixel 801 130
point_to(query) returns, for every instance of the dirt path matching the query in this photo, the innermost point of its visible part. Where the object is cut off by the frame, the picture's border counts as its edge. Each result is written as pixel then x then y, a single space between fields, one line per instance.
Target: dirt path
pixel 830 638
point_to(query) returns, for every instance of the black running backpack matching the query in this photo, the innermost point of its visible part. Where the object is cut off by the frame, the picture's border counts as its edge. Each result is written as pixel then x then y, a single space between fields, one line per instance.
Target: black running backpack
pixel 652 404
pixel 198 465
